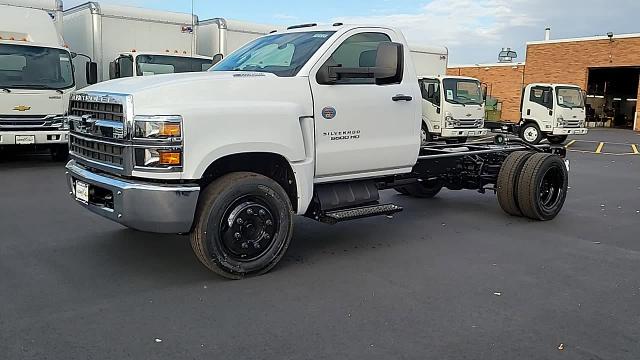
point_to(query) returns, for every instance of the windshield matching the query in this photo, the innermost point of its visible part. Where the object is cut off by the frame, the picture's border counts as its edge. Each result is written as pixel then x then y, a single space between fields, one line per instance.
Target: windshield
pixel 30 67
pixel 166 64
pixel 282 54
pixel 463 91
pixel 570 97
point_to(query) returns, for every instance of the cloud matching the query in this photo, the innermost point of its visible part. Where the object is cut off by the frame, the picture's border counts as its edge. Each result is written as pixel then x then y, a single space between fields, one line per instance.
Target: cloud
pixel 475 31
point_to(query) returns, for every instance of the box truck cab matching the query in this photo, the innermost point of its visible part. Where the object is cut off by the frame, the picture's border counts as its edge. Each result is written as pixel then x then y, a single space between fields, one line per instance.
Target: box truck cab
pixel 452 108
pixel 36 78
pixel 131 64
pixel 552 111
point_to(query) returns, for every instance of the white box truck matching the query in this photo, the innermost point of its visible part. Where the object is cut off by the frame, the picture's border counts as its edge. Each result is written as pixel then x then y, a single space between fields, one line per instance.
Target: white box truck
pixel 128 42
pixel 452 106
pixel 315 132
pixel 551 111
pixel 36 77
pixel 222 36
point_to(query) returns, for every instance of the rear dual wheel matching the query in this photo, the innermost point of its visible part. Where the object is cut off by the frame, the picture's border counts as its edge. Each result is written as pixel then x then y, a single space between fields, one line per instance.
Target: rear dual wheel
pixel 532 185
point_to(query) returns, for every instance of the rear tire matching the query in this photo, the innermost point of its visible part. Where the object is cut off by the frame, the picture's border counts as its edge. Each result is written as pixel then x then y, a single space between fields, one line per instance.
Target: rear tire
pixel 542 187
pixel 243 225
pixel 507 184
pixel 558 139
pixel 530 132
pixel 421 189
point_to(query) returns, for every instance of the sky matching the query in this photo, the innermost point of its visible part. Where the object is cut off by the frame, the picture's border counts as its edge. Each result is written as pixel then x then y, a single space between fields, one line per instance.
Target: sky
pixel 473 30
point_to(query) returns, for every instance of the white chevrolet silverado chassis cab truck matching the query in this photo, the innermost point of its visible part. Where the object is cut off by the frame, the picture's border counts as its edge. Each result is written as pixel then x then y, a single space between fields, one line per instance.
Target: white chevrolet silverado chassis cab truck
pixel 301 122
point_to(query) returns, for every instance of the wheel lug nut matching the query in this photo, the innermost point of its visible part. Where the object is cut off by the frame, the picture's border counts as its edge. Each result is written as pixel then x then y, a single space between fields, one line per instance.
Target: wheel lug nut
pixel 250 212
pixel 267 236
pixel 256 245
pixel 262 213
pixel 269 222
pixel 245 245
pixel 240 221
pixel 237 235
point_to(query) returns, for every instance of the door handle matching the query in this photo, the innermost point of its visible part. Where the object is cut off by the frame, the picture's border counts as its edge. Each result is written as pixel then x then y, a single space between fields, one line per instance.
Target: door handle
pixel 401 97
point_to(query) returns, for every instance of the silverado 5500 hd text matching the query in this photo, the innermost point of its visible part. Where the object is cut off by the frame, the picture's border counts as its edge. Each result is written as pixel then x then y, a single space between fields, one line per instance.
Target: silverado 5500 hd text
pixel 313 121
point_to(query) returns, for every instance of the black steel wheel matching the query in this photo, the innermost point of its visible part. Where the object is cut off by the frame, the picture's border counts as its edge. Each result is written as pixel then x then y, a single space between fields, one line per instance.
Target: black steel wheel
pixel 507 183
pixel 243 225
pixel 542 187
pixel 557 139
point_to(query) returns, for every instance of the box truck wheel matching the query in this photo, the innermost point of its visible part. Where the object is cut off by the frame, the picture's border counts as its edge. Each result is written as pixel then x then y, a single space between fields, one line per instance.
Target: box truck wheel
pixel 243 225
pixel 530 132
pixel 422 189
pixel 558 139
pixel 542 187
pixel 425 135
pixel 60 152
pixel 507 184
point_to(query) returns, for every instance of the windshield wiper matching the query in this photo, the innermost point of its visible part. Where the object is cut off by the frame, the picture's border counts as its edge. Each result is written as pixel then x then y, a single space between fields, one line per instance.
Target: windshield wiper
pixel 457 103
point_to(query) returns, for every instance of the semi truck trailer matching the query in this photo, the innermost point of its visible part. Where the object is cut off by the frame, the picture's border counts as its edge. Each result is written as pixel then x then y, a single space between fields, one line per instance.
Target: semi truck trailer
pixel 36 77
pixel 294 123
pixel 452 106
pixel 551 111
pixel 130 42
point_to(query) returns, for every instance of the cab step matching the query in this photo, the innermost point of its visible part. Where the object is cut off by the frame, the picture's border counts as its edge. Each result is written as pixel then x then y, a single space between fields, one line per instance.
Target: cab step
pixel 336 216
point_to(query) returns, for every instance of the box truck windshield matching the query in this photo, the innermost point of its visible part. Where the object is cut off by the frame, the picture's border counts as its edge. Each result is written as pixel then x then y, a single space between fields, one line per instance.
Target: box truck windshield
pixel 570 97
pixel 463 91
pixel 283 55
pixel 32 67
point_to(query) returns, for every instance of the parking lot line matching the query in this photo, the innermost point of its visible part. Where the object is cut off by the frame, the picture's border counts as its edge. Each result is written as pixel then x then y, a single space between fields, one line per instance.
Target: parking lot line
pixel 635 149
pixel 570 143
pixel 600 147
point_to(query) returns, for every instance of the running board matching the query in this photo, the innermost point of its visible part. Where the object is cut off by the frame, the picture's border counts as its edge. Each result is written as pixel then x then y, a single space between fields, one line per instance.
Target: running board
pixel 336 216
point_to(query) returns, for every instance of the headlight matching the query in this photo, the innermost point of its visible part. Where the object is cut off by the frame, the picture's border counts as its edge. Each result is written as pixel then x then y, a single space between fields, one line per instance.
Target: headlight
pixel 582 123
pixel 158 127
pixel 561 122
pixel 62 122
pixel 449 121
pixel 480 123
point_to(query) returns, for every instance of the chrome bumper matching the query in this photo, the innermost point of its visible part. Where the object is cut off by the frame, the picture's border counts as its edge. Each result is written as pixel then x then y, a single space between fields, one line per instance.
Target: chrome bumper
pixel 449 133
pixel 570 131
pixel 158 208
pixel 40 137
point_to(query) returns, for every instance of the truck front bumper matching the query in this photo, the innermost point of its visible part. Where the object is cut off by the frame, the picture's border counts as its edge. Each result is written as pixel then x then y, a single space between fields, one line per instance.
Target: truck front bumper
pixel 570 131
pixel 452 133
pixel 158 208
pixel 34 137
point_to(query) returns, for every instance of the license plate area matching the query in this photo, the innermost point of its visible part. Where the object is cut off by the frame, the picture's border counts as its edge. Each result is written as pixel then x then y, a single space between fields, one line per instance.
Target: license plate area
pixel 25 139
pixel 82 191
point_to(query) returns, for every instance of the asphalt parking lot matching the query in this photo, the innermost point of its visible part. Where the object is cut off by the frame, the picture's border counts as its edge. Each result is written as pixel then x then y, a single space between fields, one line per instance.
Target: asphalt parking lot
pixel 449 278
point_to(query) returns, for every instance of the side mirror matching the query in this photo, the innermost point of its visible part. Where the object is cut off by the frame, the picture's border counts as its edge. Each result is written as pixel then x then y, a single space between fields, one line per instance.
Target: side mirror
pixel 113 70
pixel 74 55
pixel 217 58
pixel 389 63
pixel 91 72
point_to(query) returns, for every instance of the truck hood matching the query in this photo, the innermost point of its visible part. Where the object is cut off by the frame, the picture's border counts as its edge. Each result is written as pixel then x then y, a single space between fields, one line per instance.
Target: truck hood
pixel 168 94
pixel 33 103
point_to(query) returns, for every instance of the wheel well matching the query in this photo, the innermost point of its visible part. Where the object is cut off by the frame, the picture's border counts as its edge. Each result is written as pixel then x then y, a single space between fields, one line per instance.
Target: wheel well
pixel 273 166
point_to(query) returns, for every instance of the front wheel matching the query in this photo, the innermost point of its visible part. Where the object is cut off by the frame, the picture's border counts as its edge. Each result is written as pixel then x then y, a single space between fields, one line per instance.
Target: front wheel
pixel 243 225
pixel 530 132
pixel 558 139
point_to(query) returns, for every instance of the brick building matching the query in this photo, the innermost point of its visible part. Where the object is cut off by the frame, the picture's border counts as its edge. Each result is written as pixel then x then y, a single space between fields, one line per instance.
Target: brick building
pixel 607 67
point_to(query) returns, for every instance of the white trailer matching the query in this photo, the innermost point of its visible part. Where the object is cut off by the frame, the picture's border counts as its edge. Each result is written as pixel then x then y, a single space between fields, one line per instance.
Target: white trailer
pixel 452 106
pixel 128 41
pixel 222 36
pixel 36 77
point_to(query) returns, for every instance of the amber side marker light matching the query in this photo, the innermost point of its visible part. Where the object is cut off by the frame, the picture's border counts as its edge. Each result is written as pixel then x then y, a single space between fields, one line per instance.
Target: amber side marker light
pixel 170 157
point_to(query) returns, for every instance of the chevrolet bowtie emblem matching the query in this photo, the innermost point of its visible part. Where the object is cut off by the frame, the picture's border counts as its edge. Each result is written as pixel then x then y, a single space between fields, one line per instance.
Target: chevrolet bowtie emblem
pixel 22 108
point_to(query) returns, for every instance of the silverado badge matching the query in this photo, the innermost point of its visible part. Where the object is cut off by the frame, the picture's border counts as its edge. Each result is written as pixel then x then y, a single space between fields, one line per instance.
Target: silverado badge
pixel 22 108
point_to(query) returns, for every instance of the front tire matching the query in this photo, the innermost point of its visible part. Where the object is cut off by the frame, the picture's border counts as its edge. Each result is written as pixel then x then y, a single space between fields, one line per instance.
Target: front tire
pixel 426 137
pixel 243 227
pixel 530 132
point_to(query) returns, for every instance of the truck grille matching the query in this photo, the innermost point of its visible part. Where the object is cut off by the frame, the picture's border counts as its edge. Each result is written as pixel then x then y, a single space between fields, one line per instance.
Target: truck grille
pixel 42 122
pixel 572 123
pixel 467 123
pixel 97 110
pixel 99 151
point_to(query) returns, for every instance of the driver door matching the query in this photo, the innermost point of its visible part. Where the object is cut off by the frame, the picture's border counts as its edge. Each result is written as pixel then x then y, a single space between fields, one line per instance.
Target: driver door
pixel 363 129
pixel 540 107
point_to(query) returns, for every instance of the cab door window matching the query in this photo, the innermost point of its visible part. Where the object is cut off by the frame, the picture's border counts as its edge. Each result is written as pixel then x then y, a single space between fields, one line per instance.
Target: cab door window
pixel 430 91
pixel 124 66
pixel 358 51
pixel 542 96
